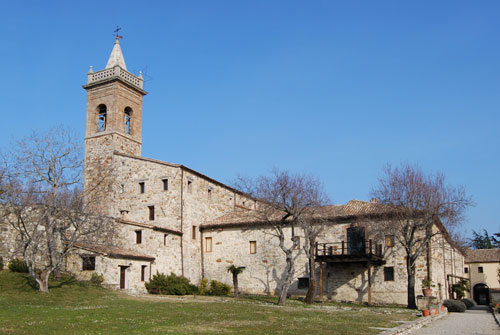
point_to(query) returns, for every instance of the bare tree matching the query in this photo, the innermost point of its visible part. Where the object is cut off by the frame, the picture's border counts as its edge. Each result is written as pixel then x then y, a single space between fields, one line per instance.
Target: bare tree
pixel 285 203
pixel 418 202
pixel 44 202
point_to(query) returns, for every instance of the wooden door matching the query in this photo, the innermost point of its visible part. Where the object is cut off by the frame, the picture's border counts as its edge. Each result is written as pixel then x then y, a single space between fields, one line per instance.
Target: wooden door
pixel 122 276
pixel 356 241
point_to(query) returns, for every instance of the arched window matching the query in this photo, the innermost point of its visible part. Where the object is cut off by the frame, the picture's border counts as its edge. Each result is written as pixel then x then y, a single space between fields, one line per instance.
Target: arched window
pixel 128 117
pixel 101 124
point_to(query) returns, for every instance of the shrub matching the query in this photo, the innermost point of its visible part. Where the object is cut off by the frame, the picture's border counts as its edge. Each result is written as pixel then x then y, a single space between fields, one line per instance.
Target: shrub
pixel 1 263
pixel 214 288
pixel 171 284
pixel 96 279
pixel 203 288
pixel 18 265
pixel 460 288
pixel 454 305
pixel 468 303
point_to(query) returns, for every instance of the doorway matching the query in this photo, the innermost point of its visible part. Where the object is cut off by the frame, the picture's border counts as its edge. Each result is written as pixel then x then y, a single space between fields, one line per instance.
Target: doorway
pixel 123 279
pixel 356 241
pixel 481 294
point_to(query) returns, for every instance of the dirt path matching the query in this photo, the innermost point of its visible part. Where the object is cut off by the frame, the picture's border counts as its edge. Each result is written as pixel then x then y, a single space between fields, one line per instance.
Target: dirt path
pixel 476 321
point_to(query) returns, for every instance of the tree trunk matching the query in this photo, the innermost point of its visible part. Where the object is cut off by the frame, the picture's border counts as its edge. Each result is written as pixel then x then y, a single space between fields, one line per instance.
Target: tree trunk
pixel 410 269
pixel 43 282
pixel 311 291
pixel 235 285
pixel 290 269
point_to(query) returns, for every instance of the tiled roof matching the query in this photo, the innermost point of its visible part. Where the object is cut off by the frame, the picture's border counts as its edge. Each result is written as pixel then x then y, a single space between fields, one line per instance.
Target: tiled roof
pixel 115 252
pixel 149 226
pixel 351 209
pixel 483 256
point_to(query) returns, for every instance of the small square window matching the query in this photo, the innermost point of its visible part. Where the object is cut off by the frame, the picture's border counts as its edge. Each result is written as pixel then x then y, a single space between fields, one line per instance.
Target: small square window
pixel 138 236
pixel 142 187
pixel 389 241
pixel 165 184
pixel 151 210
pixel 303 283
pixel 88 263
pixel 480 269
pixel 253 247
pixel 208 244
pixel 143 272
pixel 466 270
pixel 389 273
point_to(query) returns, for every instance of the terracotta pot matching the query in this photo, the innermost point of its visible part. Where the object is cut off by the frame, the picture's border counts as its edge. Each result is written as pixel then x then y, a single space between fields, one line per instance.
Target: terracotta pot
pixel 442 308
pixel 426 312
pixel 435 311
pixel 427 292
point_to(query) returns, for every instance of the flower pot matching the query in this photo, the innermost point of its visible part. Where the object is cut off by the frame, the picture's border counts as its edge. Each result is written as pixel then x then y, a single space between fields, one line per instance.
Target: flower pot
pixel 442 308
pixel 435 311
pixel 427 292
pixel 426 312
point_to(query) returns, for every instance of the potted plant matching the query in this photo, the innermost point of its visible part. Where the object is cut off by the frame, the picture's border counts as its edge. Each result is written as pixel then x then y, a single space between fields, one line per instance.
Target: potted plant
pixel 426 287
pixel 426 312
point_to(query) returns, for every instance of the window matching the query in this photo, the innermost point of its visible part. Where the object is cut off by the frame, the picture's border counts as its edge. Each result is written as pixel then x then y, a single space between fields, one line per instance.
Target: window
pixel 128 116
pixel 101 123
pixel 297 238
pixel 151 213
pixel 389 241
pixel 208 244
pixel 303 283
pixel 165 184
pixel 88 263
pixel 480 269
pixel 122 188
pixel 193 232
pixel 253 247
pixel 190 186
pixel 138 236
pixel 389 273
pixel 143 272
pixel 209 194
pixel 165 239
pixel 142 187
pixel 466 270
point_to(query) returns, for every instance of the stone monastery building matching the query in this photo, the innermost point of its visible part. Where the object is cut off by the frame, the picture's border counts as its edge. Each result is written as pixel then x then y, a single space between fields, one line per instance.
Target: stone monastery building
pixel 170 218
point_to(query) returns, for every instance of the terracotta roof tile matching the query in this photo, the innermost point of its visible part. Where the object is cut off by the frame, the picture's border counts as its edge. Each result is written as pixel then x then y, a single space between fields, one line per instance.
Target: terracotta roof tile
pixel 114 252
pixel 482 256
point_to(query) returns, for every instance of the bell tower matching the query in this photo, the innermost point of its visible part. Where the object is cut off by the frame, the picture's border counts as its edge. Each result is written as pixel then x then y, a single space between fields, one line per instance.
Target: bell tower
pixel 114 121
pixel 114 107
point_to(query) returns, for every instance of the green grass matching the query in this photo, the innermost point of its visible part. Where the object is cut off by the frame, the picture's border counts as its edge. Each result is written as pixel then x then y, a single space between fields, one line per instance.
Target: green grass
pixel 79 308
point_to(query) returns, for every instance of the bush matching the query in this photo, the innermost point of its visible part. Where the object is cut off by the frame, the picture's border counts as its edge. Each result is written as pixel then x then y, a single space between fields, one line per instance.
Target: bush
pixel 454 305
pixel 468 303
pixel 215 288
pixel 96 279
pixel 18 265
pixel 1 263
pixel 171 285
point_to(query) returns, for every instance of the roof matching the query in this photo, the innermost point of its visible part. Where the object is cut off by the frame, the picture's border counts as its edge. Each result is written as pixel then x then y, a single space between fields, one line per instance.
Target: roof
pixel 114 252
pixel 116 57
pixel 149 226
pixel 352 209
pixel 483 256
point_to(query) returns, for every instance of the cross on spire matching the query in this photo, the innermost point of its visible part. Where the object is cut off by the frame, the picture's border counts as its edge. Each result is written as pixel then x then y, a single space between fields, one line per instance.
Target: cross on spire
pixel 116 33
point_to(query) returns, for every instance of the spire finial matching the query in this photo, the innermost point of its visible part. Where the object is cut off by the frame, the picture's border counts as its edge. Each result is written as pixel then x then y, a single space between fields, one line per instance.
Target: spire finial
pixel 116 33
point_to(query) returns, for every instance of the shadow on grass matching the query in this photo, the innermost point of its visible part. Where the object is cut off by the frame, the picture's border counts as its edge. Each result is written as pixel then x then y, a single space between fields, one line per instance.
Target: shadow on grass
pixel 30 282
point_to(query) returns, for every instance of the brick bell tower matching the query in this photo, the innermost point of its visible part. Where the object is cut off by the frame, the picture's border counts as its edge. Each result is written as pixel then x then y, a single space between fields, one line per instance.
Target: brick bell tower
pixel 114 115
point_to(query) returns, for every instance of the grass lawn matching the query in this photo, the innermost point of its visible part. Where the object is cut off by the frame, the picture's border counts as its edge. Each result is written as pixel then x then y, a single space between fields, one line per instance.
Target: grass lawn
pixel 79 308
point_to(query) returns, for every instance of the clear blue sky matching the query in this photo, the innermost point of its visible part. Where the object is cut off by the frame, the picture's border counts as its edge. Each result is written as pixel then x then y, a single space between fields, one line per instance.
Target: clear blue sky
pixel 332 88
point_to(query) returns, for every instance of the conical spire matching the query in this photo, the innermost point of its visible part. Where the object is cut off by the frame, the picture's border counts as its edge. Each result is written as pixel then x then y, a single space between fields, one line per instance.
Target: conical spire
pixel 116 57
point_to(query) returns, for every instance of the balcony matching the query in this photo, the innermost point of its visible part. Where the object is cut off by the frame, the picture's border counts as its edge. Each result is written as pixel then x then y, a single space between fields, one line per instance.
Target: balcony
pixel 349 252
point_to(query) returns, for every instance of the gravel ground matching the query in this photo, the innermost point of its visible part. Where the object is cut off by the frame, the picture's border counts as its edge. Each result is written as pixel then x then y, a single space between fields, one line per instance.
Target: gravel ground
pixel 476 321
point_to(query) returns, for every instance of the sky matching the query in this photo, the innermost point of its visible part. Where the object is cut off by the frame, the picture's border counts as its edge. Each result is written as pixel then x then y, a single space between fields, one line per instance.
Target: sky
pixel 336 89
